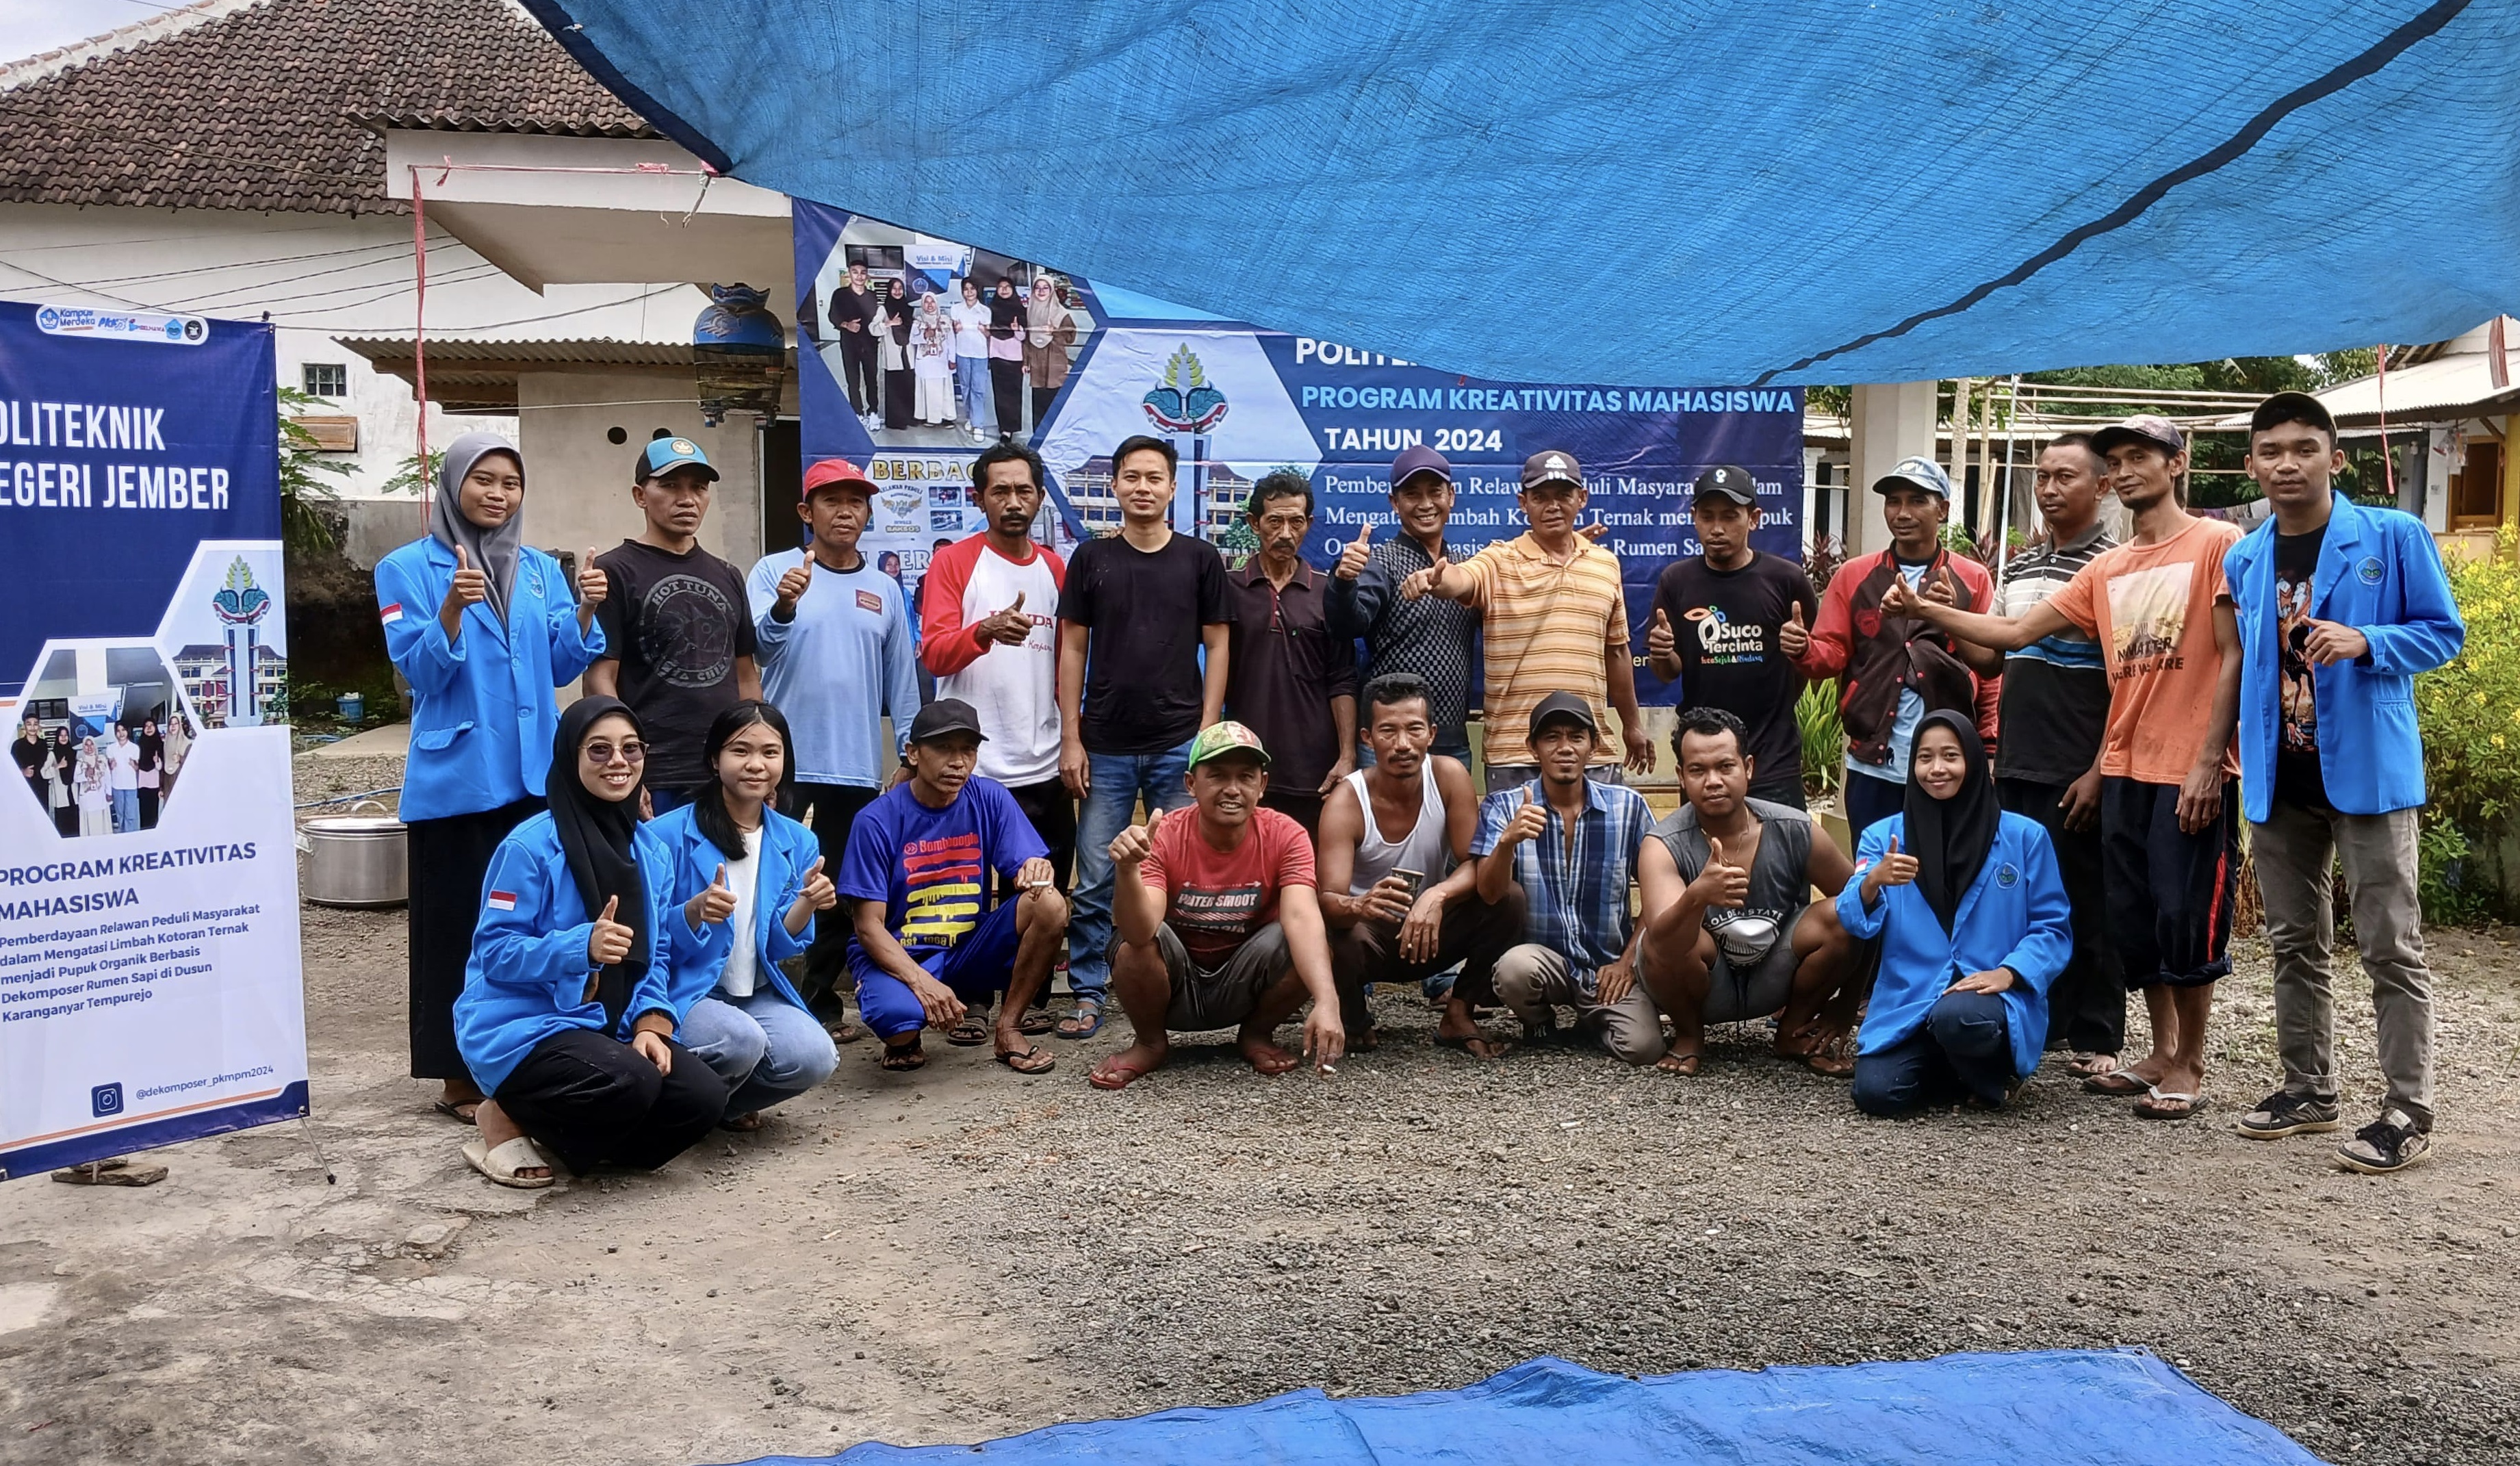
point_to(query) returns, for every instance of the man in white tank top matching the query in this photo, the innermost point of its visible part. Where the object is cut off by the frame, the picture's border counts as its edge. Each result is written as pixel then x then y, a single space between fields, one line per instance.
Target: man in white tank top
pixel 1398 891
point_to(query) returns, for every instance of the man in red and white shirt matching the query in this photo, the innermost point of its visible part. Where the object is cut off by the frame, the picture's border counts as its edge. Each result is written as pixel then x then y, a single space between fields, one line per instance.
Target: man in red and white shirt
pixel 988 630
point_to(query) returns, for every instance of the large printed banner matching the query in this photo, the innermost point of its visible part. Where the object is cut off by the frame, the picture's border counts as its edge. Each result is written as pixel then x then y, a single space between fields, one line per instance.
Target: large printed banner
pixel 149 968
pixel 1240 402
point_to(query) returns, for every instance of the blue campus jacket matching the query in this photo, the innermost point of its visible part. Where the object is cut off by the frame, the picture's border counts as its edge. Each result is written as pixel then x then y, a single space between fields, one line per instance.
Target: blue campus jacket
pixel 788 852
pixel 2013 915
pixel 2379 573
pixel 483 708
pixel 527 978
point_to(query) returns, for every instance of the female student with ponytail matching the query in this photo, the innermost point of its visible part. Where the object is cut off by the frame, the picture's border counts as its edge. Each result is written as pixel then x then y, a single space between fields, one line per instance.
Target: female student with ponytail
pixel 1974 926
pixel 751 880
pixel 566 1019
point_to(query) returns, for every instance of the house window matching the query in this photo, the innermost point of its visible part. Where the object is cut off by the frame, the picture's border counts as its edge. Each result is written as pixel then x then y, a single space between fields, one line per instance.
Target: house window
pixel 2476 489
pixel 326 380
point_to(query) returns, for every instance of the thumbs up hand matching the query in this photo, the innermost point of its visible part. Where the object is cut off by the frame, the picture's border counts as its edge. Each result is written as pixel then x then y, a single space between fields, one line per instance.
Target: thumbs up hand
pixel 1130 847
pixel 1722 882
pixel 1529 823
pixel 1940 588
pixel 818 892
pixel 1421 583
pixel 1793 639
pixel 792 585
pixel 1010 627
pixel 1660 642
pixel 609 941
pixel 1893 869
pixel 591 580
pixel 1351 564
pixel 469 586
pixel 1899 599
pixel 714 903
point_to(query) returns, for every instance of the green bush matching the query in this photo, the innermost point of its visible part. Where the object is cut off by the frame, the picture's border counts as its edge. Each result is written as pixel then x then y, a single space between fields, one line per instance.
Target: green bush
pixel 1824 736
pixel 2469 714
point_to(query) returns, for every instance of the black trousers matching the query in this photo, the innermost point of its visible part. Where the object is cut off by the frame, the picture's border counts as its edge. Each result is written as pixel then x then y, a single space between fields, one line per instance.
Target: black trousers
pixel 2087 1007
pixel 1006 389
pixel 833 808
pixel 1304 808
pixel 1053 813
pixel 591 1101
pixel 448 857
pixel 1474 934
pixel 1964 1050
pixel 857 368
pixel 900 397
pixel 2168 892
pixel 1867 801
pixel 149 809
pixel 1041 398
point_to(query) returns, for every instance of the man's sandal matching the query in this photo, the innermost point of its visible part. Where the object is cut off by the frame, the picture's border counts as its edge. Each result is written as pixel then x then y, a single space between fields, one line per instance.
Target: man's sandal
pixel 970 1032
pixel 502 1164
pixel 903 1059
pixel 1024 1062
pixel 2158 1105
pixel 2117 1084
pixel 1084 1023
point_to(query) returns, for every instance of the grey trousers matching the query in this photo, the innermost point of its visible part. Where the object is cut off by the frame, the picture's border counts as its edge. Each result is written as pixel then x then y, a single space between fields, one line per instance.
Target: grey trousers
pixel 1629 1030
pixel 2295 851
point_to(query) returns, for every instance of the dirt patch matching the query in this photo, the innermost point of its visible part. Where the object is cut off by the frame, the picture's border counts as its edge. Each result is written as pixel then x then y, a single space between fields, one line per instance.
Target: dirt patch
pixel 960 1253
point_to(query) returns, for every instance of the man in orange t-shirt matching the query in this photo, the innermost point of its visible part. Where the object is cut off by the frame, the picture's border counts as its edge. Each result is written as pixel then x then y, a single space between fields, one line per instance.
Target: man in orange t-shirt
pixel 2169 824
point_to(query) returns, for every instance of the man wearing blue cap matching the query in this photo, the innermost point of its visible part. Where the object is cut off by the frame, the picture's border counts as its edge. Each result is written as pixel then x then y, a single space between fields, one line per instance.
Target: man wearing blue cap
pixel 678 634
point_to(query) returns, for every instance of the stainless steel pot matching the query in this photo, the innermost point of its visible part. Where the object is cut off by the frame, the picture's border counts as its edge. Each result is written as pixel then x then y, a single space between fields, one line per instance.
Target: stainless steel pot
pixel 353 859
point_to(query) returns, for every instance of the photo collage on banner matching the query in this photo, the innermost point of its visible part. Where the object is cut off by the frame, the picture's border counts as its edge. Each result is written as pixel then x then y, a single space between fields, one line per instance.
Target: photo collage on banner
pixel 1073 368
pixel 148 965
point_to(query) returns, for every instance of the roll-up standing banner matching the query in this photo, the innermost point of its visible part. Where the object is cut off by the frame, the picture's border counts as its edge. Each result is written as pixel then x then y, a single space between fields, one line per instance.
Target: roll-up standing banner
pixel 149 970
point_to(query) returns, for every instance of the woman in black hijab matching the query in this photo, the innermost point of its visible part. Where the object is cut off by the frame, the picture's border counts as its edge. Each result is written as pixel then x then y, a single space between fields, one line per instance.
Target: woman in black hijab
pixel 1006 357
pixel 1973 926
pixel 900 383
pixel 566 1019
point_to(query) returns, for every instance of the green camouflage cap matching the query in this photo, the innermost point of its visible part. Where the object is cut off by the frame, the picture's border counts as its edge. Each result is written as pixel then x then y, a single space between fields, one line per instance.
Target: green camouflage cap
pixel 1220 738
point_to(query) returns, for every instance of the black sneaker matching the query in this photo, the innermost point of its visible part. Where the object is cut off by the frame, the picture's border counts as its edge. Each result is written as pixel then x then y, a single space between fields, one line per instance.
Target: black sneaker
pixel 2284 1113
pixel 2387 1144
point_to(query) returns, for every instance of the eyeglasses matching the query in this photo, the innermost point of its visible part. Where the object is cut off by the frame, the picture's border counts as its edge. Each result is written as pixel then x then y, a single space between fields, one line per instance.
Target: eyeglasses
pixel 601 753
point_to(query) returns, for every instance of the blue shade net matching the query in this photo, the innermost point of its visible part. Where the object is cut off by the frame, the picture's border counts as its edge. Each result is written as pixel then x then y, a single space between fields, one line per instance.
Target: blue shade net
pixel 1677 193
pixel 2090 1408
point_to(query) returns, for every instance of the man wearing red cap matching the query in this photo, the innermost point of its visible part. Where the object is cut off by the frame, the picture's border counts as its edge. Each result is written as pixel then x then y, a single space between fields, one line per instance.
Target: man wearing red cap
pixel 836 655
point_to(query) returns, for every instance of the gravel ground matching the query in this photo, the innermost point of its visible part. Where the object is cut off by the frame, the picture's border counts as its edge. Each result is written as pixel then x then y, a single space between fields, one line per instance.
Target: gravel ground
pixel 962 1253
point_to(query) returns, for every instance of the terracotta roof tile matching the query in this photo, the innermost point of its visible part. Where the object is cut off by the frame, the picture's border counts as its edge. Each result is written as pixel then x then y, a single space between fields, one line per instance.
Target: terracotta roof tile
pixel 279 105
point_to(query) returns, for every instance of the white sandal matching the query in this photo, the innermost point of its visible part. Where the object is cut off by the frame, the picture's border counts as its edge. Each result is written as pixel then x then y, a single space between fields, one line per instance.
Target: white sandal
pixel 502 1164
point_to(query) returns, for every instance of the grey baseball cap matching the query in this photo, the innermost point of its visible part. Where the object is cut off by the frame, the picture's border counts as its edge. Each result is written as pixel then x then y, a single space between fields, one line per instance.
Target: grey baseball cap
pixel 1914 474
pixel 2142 427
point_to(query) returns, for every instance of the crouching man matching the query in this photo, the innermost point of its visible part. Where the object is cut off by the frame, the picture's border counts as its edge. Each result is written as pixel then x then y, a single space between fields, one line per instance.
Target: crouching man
pixel 1399 892
pixel 1741 938
pixel 1217 922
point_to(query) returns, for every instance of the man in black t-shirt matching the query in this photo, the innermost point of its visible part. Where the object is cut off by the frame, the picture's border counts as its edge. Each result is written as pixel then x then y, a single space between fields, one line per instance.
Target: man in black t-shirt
pixel 678 637
pixel 27 754
pixel 1727 625
pixel 1135 614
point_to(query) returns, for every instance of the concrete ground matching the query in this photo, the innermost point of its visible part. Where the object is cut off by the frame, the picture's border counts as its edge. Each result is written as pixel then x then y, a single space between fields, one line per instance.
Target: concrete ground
pixel 963 1253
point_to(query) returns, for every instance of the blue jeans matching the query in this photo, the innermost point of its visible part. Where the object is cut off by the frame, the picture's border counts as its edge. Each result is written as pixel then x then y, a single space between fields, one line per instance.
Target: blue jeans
pixel 971 388
pixel 1962 1048
pixel 765 1047
pixel 126 811
pixel 1118 778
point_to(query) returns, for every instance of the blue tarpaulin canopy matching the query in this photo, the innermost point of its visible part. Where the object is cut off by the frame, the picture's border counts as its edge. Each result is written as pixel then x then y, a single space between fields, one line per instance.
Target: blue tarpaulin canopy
pixel 2092 1409
pixel 1677 193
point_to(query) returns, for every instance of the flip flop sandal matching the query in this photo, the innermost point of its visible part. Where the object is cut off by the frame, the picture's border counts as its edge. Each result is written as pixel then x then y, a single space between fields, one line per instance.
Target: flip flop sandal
pixel 2093 1065
pixel 1035 1023
pixel 1683 1065
pixel 2117 1084
pixel 2152 1105
pixel 1084 1023
pixel 842 1031
pixel 502 1164
pixel 1021 1063
pixel 454 1111
pixel 902 1060
pixel 1115 1076
pixel 970 1032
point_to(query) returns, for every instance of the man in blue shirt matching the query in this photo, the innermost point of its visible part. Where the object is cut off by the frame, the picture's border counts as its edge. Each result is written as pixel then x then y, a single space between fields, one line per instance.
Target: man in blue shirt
pixel 2339 605
pixel 1570 843
pixel 836 655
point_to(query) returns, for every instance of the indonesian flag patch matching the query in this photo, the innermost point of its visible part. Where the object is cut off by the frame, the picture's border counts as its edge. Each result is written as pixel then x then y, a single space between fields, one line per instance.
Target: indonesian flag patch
pixel 392 614
pixel 503 901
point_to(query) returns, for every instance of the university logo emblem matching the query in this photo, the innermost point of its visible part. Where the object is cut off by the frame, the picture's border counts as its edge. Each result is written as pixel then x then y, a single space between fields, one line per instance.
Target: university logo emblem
pixel 2370 569
pixel 1185 402
pixel 240 602
pixel 2008 875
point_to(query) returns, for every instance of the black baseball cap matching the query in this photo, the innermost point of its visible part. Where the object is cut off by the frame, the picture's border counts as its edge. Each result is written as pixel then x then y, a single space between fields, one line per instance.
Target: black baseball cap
pixel 1417 459
pixel 1726 481
pixel 1563 705
pixel 1551 465
pixel 2293 407
pixel 946 715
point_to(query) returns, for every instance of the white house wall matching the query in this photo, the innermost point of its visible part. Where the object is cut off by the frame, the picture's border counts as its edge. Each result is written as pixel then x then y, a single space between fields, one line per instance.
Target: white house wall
pixel 577 480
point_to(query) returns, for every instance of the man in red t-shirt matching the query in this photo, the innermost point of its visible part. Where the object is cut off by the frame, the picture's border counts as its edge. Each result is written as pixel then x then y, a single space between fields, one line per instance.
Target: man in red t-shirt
pixel 1217 920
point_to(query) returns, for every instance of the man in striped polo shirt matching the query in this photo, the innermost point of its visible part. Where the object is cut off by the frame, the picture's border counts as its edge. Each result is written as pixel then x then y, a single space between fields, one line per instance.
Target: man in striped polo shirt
pixel 2048 763
pixel 1557 620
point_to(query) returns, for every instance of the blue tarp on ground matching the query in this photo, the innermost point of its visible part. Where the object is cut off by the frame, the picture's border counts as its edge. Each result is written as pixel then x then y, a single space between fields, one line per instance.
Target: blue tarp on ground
pixel 1677 193
pixel 2092 1409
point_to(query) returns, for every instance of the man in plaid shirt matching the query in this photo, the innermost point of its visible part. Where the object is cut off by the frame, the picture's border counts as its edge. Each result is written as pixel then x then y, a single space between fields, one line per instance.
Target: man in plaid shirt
pixel 1431 637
